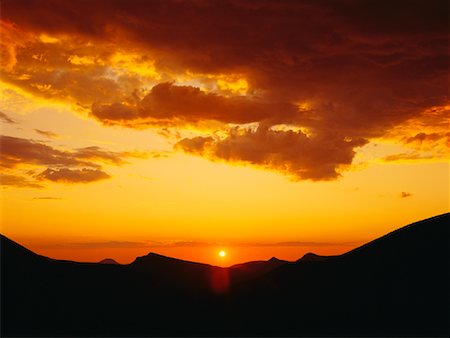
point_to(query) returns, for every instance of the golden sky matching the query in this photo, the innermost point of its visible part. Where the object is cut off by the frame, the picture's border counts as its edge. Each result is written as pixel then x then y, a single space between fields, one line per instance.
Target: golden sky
pixel 263 128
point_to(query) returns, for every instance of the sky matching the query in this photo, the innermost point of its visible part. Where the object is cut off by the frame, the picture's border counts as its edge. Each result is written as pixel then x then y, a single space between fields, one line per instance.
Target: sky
pixel 261 128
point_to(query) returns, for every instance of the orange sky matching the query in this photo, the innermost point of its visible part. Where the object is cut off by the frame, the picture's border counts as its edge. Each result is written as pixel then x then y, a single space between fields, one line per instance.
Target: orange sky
pixel 264 128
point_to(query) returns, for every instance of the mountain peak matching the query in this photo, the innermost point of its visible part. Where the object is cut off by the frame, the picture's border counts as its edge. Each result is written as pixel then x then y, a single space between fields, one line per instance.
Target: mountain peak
pixel 154 256
pixel 157 259
pixel 108 261
pixel 312 257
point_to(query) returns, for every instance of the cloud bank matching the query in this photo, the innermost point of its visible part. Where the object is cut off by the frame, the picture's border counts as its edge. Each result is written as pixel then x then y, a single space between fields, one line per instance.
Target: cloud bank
pixel 83 165
pixel 316 79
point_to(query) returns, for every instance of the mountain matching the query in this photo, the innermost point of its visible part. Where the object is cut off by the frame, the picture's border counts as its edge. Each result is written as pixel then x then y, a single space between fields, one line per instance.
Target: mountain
pixel 273 262
pixel 397 285
pixel 311 257
pixel 245 272
pixel 108 261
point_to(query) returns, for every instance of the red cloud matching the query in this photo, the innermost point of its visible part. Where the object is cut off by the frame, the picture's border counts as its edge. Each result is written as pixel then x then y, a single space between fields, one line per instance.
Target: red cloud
pixel 167 102
pixel 290 152
pixel 423 137
pixel 347 71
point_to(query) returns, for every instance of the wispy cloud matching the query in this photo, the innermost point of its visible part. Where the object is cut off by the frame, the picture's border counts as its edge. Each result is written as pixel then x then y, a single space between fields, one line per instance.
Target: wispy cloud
pixel 106 244
pixel 18 181
pixel 6 118
pixel 46 133
pixel 303 244
pixel 82 165
pixel 155 244
pixel 407 157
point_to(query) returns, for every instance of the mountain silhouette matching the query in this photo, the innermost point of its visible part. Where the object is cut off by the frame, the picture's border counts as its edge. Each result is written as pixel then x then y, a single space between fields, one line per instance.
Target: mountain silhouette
pixel 311 257
pixel 397 285
pixel 108 261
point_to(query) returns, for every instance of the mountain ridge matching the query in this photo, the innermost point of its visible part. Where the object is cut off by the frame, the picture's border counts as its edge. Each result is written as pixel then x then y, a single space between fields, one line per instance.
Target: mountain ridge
pixel 108 261
pixel 306 257
pixel 396 285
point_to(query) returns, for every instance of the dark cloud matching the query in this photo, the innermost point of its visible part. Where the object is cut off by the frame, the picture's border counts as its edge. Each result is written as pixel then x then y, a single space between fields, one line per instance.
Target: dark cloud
pixel 16 151
pixel 424 137
pixel 74 166
pixel 404 194
pixel 71 70
pixel 167 102
pixel 400 17
pixel 47 133
pixel 66 175
pixel 343 71
pixel 6 118
pixel 18 181
pixel 47 198
pixel 427 134
pixel 291 152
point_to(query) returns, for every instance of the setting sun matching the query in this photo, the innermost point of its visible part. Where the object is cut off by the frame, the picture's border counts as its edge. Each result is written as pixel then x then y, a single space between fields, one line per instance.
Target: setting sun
pixel 222 253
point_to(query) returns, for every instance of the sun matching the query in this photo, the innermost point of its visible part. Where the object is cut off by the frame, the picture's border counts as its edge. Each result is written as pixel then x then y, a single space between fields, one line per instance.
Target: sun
pixel 222 253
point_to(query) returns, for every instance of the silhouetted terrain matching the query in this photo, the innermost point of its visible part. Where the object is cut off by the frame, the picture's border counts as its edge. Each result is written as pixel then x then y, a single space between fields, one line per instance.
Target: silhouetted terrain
pixel 397 285
pixel 108 261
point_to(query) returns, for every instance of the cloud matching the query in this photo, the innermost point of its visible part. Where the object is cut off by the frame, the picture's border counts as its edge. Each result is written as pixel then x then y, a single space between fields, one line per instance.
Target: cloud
pixel 302 244
pixel 411 156
pixel 176 244
pixel 168 244
pixel 47 133
pixel 423 137
pixel 138 244
pixel 17 181
pixel 167 102
pixel 156 244
pixel 352 71
pixel 101 245
pixel 66 175
pixel 47 198
pixel 404 194
pixel 426 135
pixel 291 152
pixel 16 151
pixel 98 154
pixel 6 118
pixel 64 166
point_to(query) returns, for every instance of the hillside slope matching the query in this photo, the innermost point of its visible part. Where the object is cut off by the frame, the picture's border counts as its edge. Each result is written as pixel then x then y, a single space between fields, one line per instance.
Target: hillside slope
pixel 396 285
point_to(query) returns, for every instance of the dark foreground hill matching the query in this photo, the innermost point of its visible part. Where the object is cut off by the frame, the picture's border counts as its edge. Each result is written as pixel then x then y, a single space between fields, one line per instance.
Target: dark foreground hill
pixel 108 261
pixel 397 285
